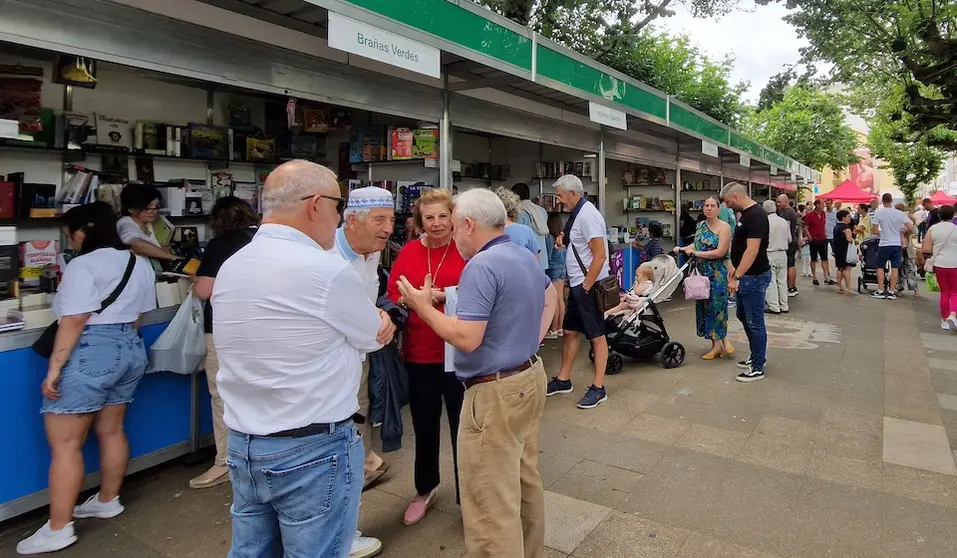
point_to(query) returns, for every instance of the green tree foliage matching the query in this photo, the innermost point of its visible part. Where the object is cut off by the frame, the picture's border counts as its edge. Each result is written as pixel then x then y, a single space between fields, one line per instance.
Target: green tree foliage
pixel 619 33
pixel 910 43
pixel 912 158
pixel 808 125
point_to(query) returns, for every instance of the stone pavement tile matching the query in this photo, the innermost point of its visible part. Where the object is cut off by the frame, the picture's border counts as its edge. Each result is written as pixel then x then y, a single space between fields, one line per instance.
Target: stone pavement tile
pixel 741 418
pixel 750 491
pixel 834 520
pixel 681 490
pixel 925 486
pixel 699 545
pixel 648 380
pixel 850 420
pixel 553 465
pixel 838 441
pixel 948 402
pixel 922 455
pixel 939 342
pixel 620 451
pixel 914 431
pixel 98 538
pixel 846 470
pixel 912 401
pixel 950 425
pixel 715 441
pixel 549 553
pixel 655 428
pixel 912 529
pixel 628 536
pixel 630 400
pixel 380 516
pixel 568 521
pixel 780 443
pixel 945 381
pixel 598 483
pixel 860 403
pixel 603 417
pixel 942 363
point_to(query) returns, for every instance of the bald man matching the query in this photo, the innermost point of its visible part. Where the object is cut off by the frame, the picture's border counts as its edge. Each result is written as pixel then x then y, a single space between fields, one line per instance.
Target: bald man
pixel 291 323
pixel 786 212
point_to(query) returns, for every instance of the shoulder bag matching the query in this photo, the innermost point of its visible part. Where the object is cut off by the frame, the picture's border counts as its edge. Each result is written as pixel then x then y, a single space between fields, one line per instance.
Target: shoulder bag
pixel 44 345
pixel 929 262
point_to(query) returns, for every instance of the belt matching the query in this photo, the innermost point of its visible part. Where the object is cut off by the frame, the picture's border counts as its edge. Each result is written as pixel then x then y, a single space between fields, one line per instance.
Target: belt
pixel 309 430
pixel 503 374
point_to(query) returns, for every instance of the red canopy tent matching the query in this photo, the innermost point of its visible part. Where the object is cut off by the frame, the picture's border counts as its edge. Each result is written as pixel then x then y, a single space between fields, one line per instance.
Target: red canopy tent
pixel 848 192
pixel 940 198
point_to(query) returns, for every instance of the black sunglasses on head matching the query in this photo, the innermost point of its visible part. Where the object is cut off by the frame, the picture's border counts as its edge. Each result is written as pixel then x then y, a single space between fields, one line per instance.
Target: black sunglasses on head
pixel 340 201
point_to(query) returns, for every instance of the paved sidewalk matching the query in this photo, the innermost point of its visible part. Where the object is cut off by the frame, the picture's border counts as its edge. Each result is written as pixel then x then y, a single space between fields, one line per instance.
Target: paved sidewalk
pixel 844 450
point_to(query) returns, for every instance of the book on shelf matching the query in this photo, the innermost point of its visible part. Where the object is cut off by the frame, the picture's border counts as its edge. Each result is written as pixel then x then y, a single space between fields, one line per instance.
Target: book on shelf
pixel 668 205
pixel 210 142
pixel 36 258
pixel 9 261
pixel 194 203
pixel 77 185
pixel 425 143
pixel 110 193
pixel 248 192
pixel 400 144
pixel 113 132
pixel 258 149
pixel 163 230
pixel 37 200
pixel 304 147
pixel 8 200
pixel 75 131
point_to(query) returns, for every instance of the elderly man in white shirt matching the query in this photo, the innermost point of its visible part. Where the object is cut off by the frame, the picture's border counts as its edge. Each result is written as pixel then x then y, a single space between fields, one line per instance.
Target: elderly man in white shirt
pixel 779 237
pixel 368 222
pixel 291 323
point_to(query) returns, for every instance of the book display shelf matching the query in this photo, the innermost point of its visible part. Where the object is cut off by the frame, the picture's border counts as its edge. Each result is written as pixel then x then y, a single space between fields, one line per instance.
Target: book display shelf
pixel 696 188
pixel 648 196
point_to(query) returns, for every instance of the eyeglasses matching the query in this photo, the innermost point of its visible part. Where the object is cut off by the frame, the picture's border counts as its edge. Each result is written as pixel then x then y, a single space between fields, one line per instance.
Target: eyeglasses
pixel 152 208
pixel 340 201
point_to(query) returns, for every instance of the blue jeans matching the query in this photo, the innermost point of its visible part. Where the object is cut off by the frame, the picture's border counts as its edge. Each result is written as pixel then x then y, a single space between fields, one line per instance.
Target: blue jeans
pixel 295 497
pixel 752 291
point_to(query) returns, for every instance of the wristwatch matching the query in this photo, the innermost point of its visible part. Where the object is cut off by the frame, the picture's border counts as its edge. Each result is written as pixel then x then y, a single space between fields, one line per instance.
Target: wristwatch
pixel 736 278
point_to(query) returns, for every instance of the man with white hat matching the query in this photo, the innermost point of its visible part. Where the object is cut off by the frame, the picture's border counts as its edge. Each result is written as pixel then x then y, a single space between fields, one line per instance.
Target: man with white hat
pixel 368 222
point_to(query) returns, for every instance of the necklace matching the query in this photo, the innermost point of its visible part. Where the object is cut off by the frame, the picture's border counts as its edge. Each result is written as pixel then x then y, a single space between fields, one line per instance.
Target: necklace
pixel 428 252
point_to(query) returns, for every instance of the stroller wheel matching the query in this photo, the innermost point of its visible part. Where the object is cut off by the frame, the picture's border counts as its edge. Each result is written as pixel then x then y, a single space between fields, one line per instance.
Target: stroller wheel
pixel 591 355
pixel 672 355
pixel 615 364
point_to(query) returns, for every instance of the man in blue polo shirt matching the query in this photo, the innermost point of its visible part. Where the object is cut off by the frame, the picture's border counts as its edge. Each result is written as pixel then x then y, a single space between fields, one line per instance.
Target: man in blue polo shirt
pixel 505 306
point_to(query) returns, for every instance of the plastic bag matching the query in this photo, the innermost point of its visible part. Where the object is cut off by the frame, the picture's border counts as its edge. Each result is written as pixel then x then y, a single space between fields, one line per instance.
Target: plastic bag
pixel 181 348
pixel 932 285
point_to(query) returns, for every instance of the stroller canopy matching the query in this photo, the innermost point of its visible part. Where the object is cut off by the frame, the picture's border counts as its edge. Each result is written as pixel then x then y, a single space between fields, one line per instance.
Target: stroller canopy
pixel 665 268
pixel 848 192
pixel 940 198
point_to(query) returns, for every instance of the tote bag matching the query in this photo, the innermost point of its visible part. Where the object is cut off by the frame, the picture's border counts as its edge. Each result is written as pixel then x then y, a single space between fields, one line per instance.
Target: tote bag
pixel 180 349
pixel 851 256
pixel 697 286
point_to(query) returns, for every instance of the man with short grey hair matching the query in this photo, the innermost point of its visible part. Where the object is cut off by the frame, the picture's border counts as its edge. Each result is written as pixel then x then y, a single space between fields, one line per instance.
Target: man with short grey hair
pixel 505 306
pixel 368 222
pixel 586 262
pixel 779 238
pixel 291 323
pixel 749 276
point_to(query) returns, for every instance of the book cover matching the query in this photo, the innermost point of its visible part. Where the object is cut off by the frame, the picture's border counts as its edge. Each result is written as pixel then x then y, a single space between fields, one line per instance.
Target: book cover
pixel 208 142
pixel 144 169
pixel 163 230
pixel 115 168
pixel 400 144
pixel 113 132
pixel 38 200
pixel 35 257
pixel 260 149
pixel 425 143
pixel 9 262
pixel 79 131
pixel 8 200
pixel 248 192
pixel 151 137
pixel 194 203
pixel 304 147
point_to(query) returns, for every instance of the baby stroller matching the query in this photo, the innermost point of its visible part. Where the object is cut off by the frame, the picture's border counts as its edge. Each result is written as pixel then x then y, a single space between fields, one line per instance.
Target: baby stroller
pixel 868 258
pixel 643 334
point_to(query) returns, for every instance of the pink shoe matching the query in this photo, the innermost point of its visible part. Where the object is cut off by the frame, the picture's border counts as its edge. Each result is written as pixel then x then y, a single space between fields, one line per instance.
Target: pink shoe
pixel 418 507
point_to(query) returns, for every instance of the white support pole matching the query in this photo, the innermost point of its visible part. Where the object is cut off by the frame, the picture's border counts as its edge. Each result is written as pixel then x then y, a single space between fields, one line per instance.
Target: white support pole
pixel 445 138
pixel 602 181
pixel 677 215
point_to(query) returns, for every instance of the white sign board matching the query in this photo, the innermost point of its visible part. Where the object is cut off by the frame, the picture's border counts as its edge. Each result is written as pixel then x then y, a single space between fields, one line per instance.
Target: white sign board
pixel 378 44
pixel 601 114
pixel 744 161
pixel 774 170
pixel 709 148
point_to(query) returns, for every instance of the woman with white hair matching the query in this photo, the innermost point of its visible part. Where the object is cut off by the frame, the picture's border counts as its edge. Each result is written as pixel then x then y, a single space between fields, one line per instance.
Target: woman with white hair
pixel 523 235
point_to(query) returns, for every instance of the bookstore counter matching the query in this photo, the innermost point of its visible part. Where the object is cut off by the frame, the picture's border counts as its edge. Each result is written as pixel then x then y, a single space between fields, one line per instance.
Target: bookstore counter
pixel 169 417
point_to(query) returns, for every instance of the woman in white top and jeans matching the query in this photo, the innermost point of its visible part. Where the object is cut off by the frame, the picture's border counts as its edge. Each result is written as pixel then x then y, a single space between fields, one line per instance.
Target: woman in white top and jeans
pixel 940 241
pixel 97 361
pixel 141 205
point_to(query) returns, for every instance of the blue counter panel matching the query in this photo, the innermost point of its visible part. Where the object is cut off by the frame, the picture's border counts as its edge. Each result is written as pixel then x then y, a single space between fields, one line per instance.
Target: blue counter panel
pixel 157 418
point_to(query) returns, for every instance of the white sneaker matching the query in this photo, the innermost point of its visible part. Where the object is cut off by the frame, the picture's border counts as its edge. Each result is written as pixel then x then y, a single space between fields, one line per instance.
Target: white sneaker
pixel 952 322
pixel 47 540
pixel 945 325
pixel 93 507
pixel 365 547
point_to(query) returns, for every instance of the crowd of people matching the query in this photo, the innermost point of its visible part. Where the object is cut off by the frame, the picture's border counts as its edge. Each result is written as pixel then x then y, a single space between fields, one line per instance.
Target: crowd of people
pixel 296 313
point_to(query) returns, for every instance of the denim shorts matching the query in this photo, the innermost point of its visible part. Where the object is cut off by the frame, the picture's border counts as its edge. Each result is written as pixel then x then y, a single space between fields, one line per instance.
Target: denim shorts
pixel 556 274
pixel 892 254
pixel 104 368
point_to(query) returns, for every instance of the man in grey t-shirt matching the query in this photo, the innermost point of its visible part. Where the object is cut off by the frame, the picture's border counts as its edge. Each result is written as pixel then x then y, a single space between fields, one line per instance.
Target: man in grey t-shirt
pixel 505 305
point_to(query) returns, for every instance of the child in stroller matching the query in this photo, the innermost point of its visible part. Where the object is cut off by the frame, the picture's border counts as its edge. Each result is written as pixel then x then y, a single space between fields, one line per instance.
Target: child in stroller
pixel 633 299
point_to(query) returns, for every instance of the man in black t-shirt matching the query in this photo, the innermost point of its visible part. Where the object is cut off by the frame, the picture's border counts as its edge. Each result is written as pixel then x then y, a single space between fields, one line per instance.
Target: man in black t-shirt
pixel 749 275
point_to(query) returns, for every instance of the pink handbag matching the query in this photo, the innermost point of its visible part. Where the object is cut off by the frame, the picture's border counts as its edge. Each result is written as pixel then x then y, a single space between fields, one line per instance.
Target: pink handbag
pixel 697 286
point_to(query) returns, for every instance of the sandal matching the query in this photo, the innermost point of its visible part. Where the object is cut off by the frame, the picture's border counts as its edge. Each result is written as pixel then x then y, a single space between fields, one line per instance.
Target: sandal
pixel 372 477
pixel 214 476
pixel 417 509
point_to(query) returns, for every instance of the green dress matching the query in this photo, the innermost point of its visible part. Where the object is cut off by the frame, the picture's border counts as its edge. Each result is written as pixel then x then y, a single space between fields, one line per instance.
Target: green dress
pixel 712 314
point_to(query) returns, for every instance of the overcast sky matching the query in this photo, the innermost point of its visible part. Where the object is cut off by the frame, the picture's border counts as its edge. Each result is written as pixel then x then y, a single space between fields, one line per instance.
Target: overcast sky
pixel 761 42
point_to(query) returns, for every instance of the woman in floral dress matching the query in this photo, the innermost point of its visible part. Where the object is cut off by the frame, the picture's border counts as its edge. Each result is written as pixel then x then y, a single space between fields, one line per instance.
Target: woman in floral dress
pixel 712 242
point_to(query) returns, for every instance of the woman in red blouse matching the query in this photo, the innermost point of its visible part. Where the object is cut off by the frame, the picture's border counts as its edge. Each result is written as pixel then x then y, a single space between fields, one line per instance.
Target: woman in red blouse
pixel 424 352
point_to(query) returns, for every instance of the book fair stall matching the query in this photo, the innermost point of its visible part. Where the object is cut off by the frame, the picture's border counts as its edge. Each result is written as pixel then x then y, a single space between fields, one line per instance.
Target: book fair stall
pixel 203 99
